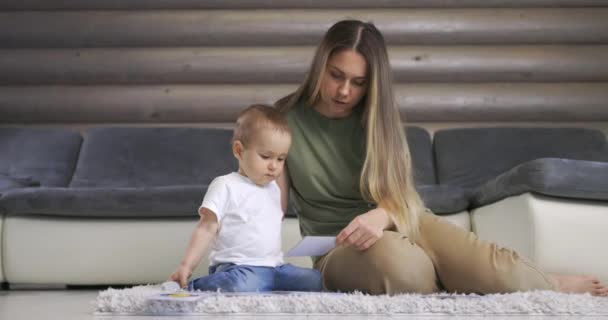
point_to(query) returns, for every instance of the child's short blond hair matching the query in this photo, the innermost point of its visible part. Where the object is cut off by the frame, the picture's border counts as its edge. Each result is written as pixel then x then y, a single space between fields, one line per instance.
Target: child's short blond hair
pixel 256 117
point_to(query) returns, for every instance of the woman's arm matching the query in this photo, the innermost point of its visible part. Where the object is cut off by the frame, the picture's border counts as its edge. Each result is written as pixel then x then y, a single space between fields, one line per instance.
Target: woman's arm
pixel 365 229
pixel 283 182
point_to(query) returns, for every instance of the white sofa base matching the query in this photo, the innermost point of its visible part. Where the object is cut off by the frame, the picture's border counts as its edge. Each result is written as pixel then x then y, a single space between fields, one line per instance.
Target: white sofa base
pixel 2 277
pixel 48 250
pixel 51 250
pixel 559 235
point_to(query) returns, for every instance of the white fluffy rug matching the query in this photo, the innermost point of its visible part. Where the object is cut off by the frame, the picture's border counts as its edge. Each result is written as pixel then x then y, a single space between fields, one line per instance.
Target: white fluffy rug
pixel 133 301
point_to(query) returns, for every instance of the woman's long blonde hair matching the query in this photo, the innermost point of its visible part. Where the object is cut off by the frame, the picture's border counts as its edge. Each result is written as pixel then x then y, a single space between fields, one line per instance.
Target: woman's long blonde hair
pixel 386 178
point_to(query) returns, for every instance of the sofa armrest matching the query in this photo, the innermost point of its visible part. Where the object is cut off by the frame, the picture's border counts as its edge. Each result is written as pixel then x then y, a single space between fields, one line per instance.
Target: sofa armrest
pixel 165 201
pixel 574 179
pixel 444 199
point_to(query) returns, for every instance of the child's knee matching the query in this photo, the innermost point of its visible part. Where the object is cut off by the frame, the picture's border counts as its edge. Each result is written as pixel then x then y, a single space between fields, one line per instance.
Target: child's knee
pixel 313 280
pixel 294 278
pixel 224 282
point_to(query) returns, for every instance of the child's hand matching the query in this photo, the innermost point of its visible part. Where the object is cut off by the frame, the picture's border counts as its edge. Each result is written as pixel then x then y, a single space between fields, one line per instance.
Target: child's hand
pixel 181 275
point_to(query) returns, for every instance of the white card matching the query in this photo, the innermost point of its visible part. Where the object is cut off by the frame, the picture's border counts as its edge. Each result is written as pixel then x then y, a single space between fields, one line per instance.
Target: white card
pixel 312 246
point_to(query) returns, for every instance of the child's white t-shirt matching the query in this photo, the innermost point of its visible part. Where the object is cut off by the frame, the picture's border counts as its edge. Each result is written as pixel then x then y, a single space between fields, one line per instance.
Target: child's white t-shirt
pixel 249 218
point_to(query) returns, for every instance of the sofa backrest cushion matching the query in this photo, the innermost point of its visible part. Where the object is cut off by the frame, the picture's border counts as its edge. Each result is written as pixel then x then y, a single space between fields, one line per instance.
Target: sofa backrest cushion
pixel 421 150
pixel 31 157
pixel 146 157
pixel 469 157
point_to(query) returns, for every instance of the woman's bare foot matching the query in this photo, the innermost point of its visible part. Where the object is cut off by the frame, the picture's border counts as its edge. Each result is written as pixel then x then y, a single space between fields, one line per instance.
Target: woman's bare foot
pixel 579 284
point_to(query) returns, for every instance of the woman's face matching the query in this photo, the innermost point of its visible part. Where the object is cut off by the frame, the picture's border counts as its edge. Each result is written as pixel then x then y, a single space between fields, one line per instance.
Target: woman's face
pixel 343 84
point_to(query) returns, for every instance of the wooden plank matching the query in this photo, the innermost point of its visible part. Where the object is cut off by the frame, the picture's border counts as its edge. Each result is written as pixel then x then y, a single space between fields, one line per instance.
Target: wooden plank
pixel 264 4
pixel 238 65
pixel 59 29
pixel 447 102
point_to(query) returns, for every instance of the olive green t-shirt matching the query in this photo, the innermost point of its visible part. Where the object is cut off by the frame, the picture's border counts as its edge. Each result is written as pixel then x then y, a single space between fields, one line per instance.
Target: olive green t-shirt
pixel 324 164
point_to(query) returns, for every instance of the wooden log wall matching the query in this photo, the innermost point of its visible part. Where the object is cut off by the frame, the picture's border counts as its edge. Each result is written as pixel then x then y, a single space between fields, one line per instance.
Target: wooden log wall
pixel 176 61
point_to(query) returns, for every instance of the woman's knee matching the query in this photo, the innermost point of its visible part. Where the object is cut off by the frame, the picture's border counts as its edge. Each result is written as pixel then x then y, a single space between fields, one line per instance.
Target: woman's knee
pixel 392 265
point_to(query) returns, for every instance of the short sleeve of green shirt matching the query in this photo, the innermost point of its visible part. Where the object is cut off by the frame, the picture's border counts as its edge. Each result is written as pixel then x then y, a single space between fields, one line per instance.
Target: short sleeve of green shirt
pixel 324 164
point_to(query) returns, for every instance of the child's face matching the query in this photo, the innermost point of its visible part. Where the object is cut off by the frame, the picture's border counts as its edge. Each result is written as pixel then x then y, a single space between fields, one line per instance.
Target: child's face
pixel 263 159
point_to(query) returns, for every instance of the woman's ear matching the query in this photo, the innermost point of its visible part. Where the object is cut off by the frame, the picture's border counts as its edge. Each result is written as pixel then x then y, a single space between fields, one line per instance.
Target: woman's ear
pixel 237 149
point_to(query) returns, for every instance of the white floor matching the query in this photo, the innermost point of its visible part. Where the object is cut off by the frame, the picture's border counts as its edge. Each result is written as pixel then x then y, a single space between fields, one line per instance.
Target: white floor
pixel 78 304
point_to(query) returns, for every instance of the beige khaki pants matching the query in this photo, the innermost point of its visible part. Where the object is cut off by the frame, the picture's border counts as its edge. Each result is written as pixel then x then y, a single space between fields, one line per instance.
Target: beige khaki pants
pixel 445 257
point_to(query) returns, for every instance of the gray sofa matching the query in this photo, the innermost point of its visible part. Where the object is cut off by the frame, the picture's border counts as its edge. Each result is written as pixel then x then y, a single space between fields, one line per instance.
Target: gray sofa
pixel 34 158
pixel 117 205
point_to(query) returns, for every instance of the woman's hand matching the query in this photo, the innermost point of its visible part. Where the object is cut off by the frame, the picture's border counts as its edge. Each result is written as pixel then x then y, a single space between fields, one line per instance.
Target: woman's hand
pixel 365 229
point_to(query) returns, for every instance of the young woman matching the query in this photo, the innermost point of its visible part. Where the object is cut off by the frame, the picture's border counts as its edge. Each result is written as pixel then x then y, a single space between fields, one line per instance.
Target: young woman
pixel 349 174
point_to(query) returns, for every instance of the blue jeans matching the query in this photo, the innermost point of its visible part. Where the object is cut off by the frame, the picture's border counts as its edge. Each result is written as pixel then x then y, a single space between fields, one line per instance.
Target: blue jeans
pixel 230 277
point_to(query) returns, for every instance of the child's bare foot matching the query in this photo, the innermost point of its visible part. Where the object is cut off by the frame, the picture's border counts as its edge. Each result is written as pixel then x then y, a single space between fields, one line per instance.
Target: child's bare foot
pixel 579 284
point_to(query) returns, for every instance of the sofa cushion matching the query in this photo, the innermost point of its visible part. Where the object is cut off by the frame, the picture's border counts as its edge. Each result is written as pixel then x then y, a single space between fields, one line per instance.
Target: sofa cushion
pixel 143 202
pixel 421 150
pixel 575 179
pixel 148 157
pixel 40 156
pixel 444 199
pixel 439 199
pixel 8 183
pixel 469 157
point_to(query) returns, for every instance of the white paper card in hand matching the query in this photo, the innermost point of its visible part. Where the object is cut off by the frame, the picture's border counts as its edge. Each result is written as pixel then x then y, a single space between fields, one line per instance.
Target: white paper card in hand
pixel 312 246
